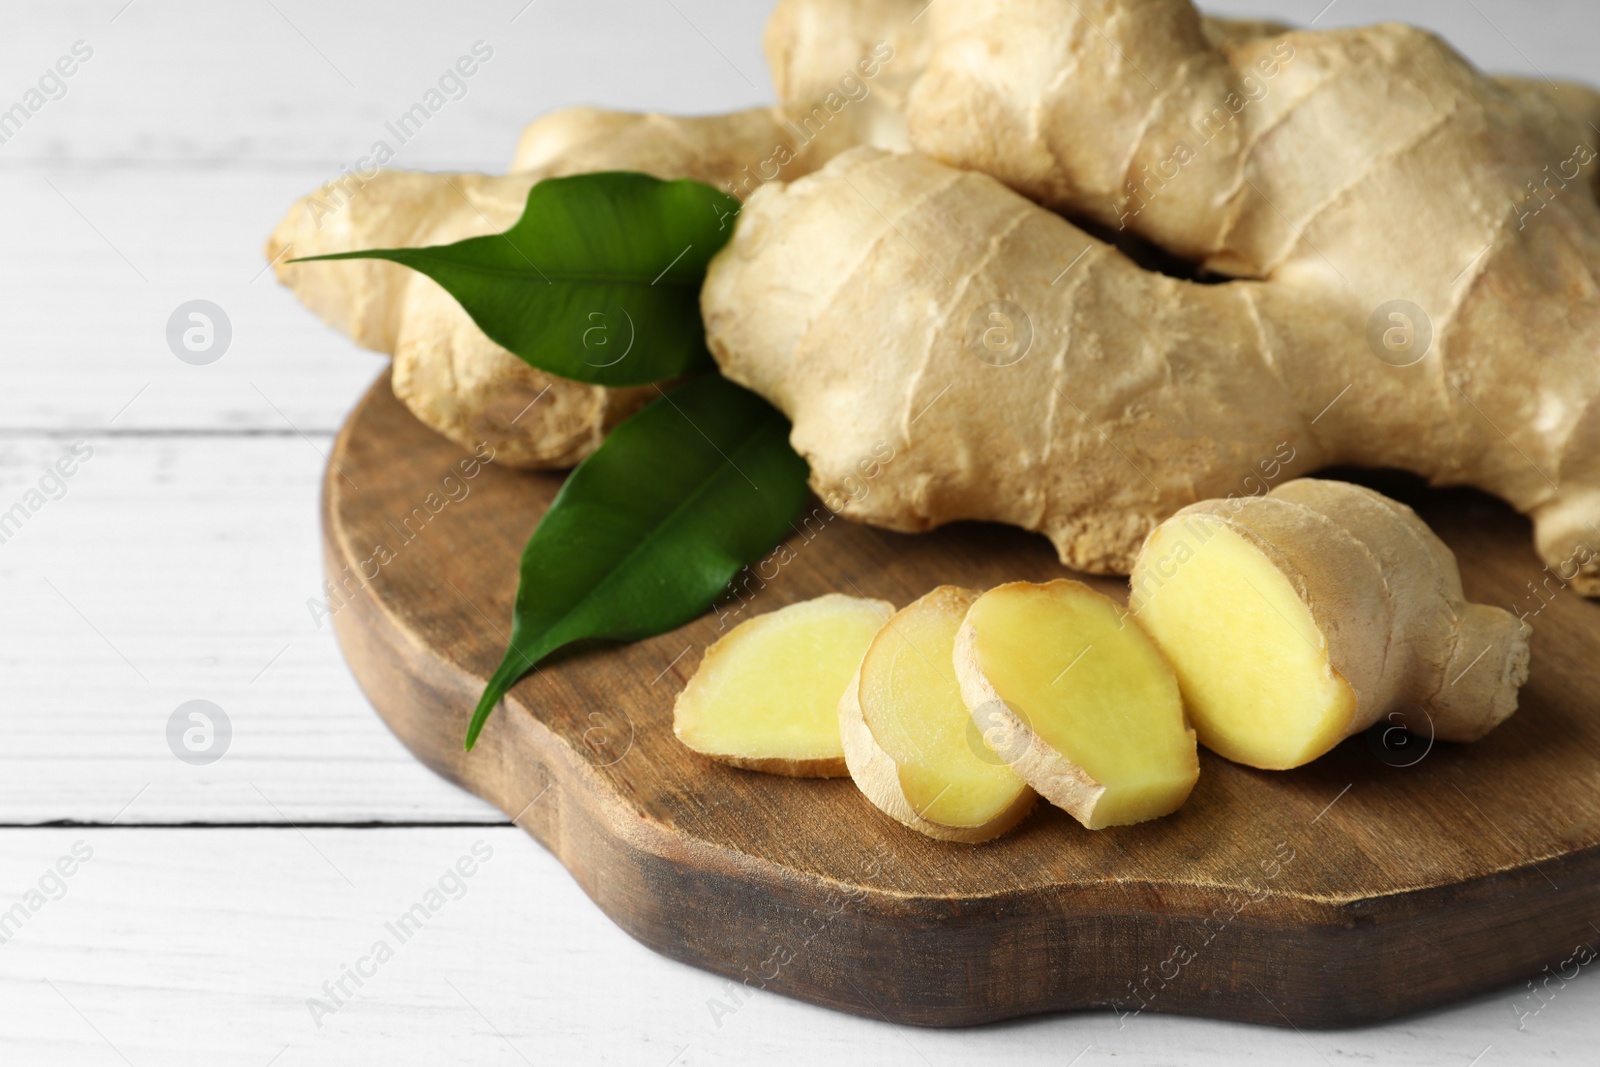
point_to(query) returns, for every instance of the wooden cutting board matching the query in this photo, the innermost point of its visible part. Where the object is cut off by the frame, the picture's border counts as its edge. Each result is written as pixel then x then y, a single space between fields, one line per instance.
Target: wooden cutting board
pixel 1379 880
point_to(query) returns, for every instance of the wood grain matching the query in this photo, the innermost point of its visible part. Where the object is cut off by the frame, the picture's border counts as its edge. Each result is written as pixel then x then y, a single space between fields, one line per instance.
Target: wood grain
pixel 1346 891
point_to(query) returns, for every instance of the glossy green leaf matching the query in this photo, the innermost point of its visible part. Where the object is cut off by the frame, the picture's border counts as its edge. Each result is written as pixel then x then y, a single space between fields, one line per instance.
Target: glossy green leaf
pixel 599 281
pixel 652 526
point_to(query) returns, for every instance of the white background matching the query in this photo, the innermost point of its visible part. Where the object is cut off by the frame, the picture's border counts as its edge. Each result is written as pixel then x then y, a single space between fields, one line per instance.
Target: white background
pixel 178 565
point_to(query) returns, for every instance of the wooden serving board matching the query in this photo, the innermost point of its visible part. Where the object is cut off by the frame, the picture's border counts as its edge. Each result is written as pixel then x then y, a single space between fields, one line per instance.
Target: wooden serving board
pixel 1356 888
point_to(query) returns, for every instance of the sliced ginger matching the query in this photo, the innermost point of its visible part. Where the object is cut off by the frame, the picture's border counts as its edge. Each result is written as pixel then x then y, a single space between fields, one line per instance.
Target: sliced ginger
pixel 1297 619
pixel 1283 624
pixel 766 695
pixel 1090 708
pixel 1251 661
pixel 908 739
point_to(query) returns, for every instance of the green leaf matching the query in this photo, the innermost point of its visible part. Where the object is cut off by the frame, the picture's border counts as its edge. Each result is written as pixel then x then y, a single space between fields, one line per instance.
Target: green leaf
pixel 650 528
pixel 599 281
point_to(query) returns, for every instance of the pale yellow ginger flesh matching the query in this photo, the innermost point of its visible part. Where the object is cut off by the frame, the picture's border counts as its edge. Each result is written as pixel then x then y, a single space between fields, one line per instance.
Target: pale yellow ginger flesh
pixel 909 742
pixel 1297 619
pixel 1251 662
pixel 1089 708
pixel 766 695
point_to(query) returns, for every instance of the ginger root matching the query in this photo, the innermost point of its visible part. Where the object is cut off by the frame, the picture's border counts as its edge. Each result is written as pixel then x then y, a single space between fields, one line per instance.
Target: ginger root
pixel 1078 700
pixel 828 57
pixel 766 695
pixel 447 372
pixel 1410 287
pixel 1299 618
pixel 908 740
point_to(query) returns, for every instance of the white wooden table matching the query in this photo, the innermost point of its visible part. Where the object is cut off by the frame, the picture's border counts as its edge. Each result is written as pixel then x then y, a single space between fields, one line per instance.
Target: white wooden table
pixel 207 906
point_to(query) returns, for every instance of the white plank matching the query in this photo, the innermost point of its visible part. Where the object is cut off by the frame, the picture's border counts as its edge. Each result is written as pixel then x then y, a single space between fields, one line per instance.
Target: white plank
pixel 300 81
pixel 157 177
pixel 103 258
pixel 176 569
pixel 203 947
pixel 297 81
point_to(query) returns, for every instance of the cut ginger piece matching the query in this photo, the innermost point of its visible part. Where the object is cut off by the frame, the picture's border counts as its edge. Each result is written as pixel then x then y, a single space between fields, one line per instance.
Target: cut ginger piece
pixel 1299 618
pixel 766 695
pixel 1079 699
pixel 1252 661
pixel 909 742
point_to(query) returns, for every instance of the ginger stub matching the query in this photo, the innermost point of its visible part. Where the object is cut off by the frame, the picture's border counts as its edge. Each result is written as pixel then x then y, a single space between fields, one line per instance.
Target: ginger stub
pixel 908 739
pixel 1300 618
pixel 766 696
pixel 1089 709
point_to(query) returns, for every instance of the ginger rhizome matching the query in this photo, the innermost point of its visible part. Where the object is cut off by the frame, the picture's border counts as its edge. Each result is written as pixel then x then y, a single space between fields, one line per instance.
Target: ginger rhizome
pixel 451 376
pixel 1407 253
pixel 1078 700
pixel 1408 248
pixel 908 739
pixel 766 695
pixel 1299 618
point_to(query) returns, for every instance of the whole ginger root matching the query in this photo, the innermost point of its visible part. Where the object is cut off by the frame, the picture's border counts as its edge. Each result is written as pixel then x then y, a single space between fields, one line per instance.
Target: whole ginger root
pixel 446 371
pixel 1356 185
pixel 1407 250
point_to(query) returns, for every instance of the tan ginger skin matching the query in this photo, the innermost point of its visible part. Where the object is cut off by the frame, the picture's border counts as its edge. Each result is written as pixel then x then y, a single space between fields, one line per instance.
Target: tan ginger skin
pixel 1326 174
pixel 447 372
pixel 470 389
pixel 1331 172
pixel 1384 592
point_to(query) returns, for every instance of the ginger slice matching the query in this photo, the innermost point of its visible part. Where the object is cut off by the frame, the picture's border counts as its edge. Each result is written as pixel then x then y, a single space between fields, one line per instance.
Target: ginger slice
pixel 909 742
pixel 1300 618
pixel 766 695
pixel 1090 707
pixel 1250 659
